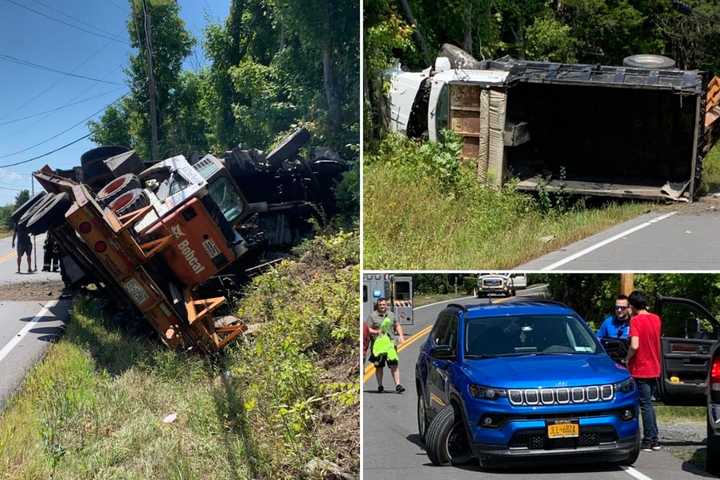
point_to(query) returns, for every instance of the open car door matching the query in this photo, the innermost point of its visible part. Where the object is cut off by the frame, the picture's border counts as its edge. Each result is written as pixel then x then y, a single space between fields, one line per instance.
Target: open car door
pixel 689 332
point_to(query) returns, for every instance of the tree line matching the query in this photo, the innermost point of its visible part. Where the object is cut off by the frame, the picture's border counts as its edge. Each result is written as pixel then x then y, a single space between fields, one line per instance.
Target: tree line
pixel 570 31
pixel 273 65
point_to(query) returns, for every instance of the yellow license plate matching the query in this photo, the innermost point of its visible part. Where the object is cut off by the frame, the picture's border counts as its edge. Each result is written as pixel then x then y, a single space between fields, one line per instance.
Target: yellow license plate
pixel 563 430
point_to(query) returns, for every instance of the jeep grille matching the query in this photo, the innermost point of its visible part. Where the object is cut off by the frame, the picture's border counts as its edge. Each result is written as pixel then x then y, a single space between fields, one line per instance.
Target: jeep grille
pixel 561 396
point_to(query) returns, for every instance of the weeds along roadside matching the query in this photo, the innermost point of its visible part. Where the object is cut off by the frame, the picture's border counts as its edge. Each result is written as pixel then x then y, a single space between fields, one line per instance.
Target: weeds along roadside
pixel 282 403
pixel 425 209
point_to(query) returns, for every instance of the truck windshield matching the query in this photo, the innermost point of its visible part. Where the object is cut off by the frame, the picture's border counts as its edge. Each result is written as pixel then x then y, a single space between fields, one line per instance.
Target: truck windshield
pixel 226 198
pixel 528 335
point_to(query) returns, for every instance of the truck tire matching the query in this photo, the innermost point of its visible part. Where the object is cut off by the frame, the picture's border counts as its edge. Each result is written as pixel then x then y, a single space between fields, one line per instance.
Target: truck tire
pixel 446 440
pixel 653 62
pixel 129 201
pixel 34 209
pixel 712 453
pixel 26 206
pixel 117 187
pixel 51 215
pixel 93 164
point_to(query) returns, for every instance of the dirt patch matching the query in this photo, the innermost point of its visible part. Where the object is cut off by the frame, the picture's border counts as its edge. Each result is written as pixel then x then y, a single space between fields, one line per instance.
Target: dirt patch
pixel 684 439
pixel 31 291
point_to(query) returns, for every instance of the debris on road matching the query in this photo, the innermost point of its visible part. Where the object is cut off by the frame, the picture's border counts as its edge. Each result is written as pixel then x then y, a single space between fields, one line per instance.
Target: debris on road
pixel 172 239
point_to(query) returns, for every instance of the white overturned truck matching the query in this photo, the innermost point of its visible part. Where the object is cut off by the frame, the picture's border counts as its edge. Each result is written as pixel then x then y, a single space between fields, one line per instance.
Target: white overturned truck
pixel 166 238
pixel 636 131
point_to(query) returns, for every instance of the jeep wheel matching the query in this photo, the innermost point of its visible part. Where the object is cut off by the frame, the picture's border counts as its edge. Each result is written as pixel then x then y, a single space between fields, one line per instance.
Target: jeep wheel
pixel 421 415
pixel 446 440
pixel 712 454
pixel 633 455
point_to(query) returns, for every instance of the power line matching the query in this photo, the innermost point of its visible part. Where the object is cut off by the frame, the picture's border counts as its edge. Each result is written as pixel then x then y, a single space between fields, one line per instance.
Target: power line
pixel 74 19
pixel 60 80
pixel 58 134
pixel 47 153
pixel 61 107
pixel 19 61
pixel 66 23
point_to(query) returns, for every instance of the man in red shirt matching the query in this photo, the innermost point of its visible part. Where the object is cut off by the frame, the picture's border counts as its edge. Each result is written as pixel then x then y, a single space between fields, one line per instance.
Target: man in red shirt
pixel 643 361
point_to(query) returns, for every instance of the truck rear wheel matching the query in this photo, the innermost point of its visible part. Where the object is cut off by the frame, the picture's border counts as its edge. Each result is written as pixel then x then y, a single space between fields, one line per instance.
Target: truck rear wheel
pixel 52 214
pixel 446 440
pixel 129 201
pixel 20 211
pixel 117 187
pixel 33 210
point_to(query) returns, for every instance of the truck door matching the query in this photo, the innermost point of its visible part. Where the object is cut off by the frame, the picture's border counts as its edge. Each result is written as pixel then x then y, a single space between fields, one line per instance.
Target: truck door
pixel 402 299
pixel 689 331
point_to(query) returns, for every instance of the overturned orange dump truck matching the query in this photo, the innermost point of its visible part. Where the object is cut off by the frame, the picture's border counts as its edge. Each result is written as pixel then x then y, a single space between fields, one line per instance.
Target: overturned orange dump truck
pixel 160 237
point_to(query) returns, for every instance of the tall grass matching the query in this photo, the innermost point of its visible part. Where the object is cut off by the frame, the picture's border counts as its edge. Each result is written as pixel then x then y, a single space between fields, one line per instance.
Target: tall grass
pixel 266 407
pixel 424 209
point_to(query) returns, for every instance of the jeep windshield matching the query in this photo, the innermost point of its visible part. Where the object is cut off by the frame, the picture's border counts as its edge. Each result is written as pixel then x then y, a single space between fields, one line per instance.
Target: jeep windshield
pixel 527 335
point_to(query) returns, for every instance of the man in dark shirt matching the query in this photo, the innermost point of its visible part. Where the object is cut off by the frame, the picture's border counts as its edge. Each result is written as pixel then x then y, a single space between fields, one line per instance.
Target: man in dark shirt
pixel 24 245
pixel 643 361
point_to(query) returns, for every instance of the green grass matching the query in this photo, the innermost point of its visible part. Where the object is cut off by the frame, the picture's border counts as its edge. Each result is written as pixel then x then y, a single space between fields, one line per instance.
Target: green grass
pixel 93 408
pixel 423 210
pixel 670 413
pixel 711 171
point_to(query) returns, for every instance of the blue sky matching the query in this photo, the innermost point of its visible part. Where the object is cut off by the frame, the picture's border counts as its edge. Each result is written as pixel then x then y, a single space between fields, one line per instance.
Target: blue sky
pixel 26 91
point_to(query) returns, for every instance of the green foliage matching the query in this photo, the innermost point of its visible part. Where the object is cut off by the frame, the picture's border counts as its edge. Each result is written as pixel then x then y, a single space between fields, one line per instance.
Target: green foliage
pixel 94 407
pixel 424 209
pixel 549 40
pixel 7 210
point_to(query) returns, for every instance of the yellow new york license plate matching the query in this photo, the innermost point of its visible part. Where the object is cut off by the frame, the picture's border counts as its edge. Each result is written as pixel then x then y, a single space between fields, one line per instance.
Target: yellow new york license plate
pixel 563 430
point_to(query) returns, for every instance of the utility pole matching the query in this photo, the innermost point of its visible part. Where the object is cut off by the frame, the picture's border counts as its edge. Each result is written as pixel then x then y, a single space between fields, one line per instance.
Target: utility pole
pixel 152 92
pixel 627 281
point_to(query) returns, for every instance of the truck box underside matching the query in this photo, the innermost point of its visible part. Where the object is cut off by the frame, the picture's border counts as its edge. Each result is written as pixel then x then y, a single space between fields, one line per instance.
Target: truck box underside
pixel 600 140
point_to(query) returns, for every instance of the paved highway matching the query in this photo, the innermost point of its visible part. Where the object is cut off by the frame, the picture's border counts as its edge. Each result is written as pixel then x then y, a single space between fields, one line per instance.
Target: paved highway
pixel 682 238
pixel 392 449
pixel 29 325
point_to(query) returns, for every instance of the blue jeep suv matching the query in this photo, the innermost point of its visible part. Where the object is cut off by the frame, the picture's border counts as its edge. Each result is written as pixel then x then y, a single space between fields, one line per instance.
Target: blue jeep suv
pixel 525 379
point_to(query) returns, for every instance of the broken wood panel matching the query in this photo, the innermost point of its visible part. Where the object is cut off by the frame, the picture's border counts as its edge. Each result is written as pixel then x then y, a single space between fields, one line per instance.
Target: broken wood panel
pixel 616 190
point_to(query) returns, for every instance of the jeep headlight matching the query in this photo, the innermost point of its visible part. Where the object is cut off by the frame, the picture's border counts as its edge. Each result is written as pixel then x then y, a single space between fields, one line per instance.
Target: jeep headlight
pixel 486 393
pixel 626 386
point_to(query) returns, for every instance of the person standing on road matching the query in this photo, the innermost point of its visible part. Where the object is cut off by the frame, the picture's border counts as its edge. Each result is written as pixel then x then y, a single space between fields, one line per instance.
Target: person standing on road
pixel 617 324
pixel 24 246
pixel 643 361
pixel 383 326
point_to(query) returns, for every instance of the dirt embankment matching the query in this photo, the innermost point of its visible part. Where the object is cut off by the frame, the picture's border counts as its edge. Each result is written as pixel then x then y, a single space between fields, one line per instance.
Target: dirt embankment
pixel 27 291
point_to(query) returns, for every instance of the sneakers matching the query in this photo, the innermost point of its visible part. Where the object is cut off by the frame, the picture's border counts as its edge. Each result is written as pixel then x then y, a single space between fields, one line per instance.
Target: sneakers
pixel 648 446
pixel 380 389
pixel 399 389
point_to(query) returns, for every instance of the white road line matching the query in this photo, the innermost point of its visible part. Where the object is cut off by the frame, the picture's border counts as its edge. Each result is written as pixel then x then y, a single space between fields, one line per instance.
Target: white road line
pixel 620 235
pixel 16 339
pixel 635 473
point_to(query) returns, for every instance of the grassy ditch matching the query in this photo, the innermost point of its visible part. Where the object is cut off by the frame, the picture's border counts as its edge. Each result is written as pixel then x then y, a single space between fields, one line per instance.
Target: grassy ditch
pixel 280 404
pixel 423 209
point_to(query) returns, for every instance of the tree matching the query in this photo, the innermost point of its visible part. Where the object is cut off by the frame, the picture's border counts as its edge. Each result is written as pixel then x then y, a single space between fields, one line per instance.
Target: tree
pixel 113 128
pixel 22 197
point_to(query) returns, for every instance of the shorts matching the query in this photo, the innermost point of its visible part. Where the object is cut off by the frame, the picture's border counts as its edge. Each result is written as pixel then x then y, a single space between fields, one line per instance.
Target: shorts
pixel 24 248
pixel 381 360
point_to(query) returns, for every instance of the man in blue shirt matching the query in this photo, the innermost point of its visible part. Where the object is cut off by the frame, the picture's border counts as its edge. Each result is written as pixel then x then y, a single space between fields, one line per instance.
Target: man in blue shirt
pixel 617 325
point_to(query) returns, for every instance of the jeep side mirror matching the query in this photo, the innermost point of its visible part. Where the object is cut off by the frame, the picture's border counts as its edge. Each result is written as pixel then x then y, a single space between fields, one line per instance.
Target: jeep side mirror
pixel 442 352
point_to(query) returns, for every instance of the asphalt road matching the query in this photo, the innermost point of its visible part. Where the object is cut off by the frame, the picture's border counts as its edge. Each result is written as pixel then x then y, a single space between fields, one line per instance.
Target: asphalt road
pixel 682 238
pixel 26 327
pixel 392 449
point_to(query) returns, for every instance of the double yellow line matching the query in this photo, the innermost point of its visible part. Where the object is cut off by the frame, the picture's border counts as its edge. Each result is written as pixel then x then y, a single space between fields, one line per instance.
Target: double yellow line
pixel 7 256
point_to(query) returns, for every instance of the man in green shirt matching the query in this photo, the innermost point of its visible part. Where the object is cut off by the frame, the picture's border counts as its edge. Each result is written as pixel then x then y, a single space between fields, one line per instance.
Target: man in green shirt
pixel 383 350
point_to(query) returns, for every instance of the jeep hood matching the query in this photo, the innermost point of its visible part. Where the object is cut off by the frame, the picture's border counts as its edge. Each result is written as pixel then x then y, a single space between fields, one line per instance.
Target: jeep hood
pixel 544 371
